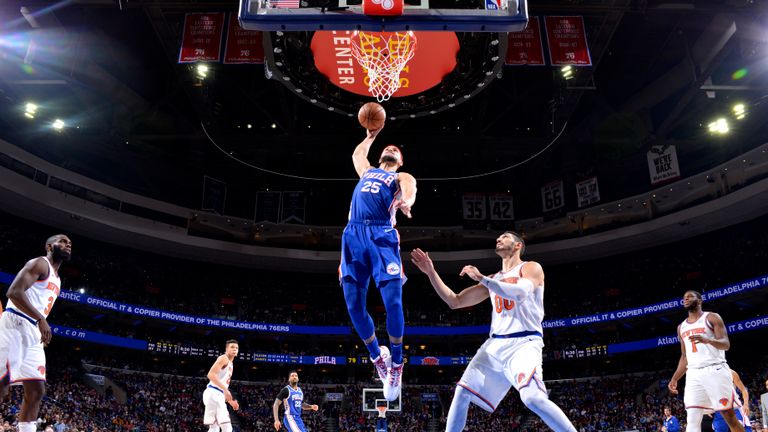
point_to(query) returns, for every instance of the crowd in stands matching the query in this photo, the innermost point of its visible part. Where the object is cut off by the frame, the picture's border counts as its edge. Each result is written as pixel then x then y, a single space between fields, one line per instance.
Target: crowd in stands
pixel 160 403
pixel 634 279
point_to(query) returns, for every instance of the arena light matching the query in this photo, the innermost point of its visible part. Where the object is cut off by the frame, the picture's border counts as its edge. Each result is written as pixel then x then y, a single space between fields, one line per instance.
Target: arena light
pixel 30 109
pixel 719 126
pixel 202 70
pixel 58 124
pixel 739 111
pixel 567 72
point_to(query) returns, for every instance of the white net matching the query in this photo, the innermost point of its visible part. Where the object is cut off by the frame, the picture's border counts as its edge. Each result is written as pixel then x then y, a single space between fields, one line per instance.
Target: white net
pixel 383 56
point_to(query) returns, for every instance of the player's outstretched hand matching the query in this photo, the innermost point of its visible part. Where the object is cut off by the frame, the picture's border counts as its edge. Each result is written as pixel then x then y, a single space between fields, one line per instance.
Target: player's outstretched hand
pixel 315 407
pixel 277 425
pixel 672 386
pixel 403 207
pixel 373 132
pixel 472 272
pixel 421 259
pixel 45 331
pixel 235 406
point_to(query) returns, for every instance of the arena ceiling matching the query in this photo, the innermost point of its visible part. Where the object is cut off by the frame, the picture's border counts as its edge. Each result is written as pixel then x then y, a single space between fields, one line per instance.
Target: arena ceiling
pixel 662 70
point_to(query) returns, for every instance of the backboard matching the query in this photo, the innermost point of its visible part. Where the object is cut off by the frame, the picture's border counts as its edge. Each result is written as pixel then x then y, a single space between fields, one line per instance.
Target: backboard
pixel 372 396
pixel 436 15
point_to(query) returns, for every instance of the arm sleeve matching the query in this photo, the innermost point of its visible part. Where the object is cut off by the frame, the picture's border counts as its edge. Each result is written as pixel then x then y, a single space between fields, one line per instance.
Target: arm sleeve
pixel 283 394
pixel 517 291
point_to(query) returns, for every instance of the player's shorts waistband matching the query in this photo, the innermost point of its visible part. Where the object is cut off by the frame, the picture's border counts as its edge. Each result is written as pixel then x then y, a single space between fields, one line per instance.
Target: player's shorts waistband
pixel 517 334
pixel 215 388
pixel 370 222
pixel 23 315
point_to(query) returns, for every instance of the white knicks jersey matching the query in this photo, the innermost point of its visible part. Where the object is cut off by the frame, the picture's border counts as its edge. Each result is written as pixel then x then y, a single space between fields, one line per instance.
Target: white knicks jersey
pixel 224 375
pixel 700 355
pixel 509 316
pixel 43 293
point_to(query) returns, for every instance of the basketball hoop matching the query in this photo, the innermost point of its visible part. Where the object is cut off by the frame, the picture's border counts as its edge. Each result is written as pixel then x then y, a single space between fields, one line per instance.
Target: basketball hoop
pixel 382 411
pixel 383 58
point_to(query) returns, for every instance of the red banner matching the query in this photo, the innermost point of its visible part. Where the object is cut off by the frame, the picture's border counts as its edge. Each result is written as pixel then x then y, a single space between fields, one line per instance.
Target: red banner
pixel 567 41
pixel 525 47
pixel 243 46
pixel 435 57
pixel 201 39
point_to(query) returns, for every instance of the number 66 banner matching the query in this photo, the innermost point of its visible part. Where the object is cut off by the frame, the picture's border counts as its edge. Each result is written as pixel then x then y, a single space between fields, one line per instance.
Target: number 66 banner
pixel 552 196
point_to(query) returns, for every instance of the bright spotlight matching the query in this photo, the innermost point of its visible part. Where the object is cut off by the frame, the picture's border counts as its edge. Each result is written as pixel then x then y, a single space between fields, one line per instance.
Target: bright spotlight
pixel 567 72
pixel 30 108
pixel 719 126
pixel 202 70
pixel 58 124
pixel 740 111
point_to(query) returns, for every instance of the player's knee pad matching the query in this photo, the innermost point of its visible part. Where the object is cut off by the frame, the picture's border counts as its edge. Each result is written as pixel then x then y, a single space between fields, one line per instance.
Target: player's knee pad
pixel 226 427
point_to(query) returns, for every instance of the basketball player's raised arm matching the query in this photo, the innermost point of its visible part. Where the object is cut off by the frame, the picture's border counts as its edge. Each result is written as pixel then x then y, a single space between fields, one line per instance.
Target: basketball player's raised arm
pixel 360 155
pixel 219 364
pixel 467 297
pixel 518 291
pixel 34 270
pixel 682 366
pixel 743 389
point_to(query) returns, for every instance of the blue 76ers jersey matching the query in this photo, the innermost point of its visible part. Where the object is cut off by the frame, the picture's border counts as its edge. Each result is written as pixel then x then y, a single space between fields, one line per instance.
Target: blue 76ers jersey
pixel 293 401
pixel 374 196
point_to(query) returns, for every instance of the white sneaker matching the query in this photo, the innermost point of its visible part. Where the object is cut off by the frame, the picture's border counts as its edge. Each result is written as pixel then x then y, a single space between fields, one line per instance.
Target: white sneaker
pixel 394 382
pixel 383 363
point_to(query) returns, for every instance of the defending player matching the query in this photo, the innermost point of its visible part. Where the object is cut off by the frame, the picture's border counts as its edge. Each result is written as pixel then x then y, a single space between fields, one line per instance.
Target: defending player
pixel 24 330
pixel 512 354
pixel 216 394
pixel 371 248
pixel 709 384
pixel 292 399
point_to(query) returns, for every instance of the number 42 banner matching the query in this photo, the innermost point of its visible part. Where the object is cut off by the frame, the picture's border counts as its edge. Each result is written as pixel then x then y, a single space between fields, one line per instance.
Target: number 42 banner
pixel 501 207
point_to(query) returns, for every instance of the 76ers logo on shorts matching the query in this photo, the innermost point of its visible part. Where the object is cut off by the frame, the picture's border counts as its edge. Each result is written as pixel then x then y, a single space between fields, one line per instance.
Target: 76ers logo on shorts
pixel 393 269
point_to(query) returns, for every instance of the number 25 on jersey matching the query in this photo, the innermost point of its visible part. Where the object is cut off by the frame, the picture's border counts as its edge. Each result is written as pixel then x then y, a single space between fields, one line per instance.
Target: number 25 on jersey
pixel 371 186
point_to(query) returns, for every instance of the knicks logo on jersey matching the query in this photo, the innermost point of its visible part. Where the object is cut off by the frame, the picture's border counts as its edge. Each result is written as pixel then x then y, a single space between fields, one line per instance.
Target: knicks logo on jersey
pixel 501 304
pixel 695 331
pixel 53 287
pixel 724 401
pixel 41 369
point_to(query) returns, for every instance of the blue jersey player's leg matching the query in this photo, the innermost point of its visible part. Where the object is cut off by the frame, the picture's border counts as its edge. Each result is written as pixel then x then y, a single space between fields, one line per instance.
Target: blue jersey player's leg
pixel 355 276
pixel 388 274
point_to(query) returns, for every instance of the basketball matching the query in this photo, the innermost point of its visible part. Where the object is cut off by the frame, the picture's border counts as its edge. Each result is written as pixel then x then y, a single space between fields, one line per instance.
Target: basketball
pixel 372 116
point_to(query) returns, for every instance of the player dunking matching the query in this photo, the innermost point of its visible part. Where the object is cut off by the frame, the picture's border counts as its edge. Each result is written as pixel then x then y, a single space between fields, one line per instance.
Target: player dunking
pixel 292 399
pixel 370 247
pixel 24 330
pixel 512 354
pixel 216 395
pixel 709 383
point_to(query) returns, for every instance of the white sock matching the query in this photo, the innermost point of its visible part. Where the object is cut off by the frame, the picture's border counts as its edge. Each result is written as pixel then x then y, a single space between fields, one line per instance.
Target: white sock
pixel 694 419
pixel 538 401
pixel 457 414
pixel 27 426
pixel 226 427
pixel 213 428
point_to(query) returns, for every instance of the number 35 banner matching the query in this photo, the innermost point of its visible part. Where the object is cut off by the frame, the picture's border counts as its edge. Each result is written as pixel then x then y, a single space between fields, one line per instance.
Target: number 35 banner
pixel 552 196
pixel 474 206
